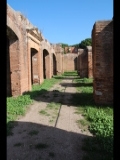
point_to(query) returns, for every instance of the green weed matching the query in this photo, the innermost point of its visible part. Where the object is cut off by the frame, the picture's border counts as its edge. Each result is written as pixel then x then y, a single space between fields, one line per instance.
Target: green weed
pixel 43 112
pixel 100 120
pixel 18 106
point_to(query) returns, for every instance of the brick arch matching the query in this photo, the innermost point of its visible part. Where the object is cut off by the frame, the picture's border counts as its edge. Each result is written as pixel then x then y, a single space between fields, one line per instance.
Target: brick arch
pixel 13 27
pixel 46 64
pixel 13 71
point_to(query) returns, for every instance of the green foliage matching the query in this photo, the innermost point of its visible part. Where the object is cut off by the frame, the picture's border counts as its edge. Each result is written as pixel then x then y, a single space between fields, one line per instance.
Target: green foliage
pixel 64 45
pixel 84 43
pixel 17 106
pixel 101 121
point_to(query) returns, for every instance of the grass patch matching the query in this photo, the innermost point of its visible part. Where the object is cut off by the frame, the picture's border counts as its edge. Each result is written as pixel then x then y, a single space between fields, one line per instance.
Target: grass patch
pixel 83 124
pixel 43 112
pixel 53 106
pixel 18 106
pixel 71 73
pixel 51 120
pixel 100 118
pixel 50 110
pixel 41 146
pixel 33 132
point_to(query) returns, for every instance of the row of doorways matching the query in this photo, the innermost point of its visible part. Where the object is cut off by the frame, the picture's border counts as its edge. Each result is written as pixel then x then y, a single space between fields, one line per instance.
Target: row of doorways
pixel 13 73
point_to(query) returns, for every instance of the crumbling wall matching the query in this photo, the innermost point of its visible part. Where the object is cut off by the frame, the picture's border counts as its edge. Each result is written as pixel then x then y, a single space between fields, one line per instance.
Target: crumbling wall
pixel 102 44
pixel 17 53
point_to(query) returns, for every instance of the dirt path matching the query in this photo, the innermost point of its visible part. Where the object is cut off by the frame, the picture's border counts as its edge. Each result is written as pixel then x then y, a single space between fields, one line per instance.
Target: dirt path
pixel 49 130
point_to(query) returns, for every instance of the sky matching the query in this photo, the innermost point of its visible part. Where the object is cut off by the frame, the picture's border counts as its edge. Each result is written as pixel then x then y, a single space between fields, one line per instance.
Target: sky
pixel 64 21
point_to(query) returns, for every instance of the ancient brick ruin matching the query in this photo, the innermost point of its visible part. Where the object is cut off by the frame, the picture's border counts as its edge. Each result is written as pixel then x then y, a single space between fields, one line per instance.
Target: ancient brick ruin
pixel 84 64
pixel 102 44
pixel 31 58
pixel 70 62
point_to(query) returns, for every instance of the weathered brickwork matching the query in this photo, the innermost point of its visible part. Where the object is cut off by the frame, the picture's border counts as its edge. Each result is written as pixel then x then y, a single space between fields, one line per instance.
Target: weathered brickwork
pixel 71 50
pixel 59 58
pixel 31 58
pixel 83 62
pixel 102 44
pixel 90 63
pixel 29 55
pixel 70 62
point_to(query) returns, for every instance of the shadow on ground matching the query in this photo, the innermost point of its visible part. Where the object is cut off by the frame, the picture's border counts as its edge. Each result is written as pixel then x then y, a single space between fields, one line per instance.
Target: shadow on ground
pixel 65 98
pixel 36 141
pixel 76 84
pixel 40 142
pixel 66 77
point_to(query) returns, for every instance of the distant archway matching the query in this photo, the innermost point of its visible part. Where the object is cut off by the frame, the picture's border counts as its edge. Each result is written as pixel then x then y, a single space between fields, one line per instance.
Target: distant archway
pixel 13 74
pixel 46 64
pixel 54 65
pixel 34 66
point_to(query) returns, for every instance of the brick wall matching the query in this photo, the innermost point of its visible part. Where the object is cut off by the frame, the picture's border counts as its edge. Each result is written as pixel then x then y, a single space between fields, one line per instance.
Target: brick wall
pixel 71 49
pixel 102 44
pixel 59 58
pixel 90 63
pixel 70 62
pixel 17 48
pixel 24 67
pixel 83 62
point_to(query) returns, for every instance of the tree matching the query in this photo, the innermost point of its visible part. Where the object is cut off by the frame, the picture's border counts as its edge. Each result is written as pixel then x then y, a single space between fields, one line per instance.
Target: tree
pixel 86 42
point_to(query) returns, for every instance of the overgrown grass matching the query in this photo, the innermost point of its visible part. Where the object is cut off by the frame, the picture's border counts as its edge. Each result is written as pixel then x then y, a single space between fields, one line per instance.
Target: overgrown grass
pixel 18 106
pixel 100 120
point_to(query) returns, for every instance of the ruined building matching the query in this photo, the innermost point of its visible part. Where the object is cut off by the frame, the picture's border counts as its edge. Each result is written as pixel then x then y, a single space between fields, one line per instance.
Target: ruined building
pixel 31 58
pixel 102 50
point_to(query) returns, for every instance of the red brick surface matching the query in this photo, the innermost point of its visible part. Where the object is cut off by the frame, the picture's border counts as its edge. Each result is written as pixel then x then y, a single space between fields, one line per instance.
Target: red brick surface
pixel 102 44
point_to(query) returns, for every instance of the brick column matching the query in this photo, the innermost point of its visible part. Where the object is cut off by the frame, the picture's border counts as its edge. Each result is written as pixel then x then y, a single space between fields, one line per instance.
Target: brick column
pixel 90 68
pixel 29 65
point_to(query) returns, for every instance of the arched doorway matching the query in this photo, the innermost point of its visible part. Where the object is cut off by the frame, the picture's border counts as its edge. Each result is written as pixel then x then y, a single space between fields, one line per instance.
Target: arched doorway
pixel 54 65
pixel 13 74
pixel 46 64
pixel 34 66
